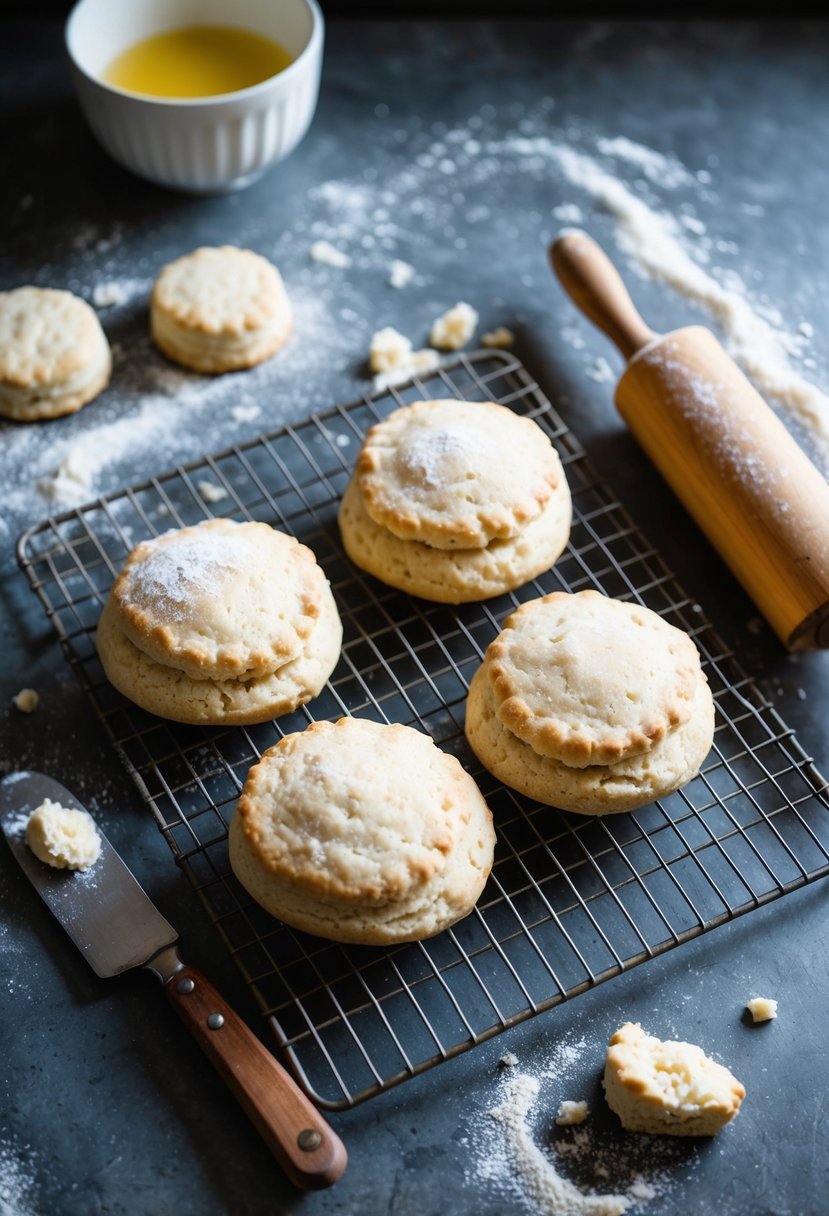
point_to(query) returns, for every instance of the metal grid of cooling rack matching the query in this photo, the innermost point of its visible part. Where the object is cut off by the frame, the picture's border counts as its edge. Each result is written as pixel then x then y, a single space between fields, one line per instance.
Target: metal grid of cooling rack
pixel 571 901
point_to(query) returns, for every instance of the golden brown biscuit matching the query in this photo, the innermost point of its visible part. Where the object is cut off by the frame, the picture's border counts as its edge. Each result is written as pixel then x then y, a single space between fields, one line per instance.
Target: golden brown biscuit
pixel 362 832
pixel 218 310
pixel 54 357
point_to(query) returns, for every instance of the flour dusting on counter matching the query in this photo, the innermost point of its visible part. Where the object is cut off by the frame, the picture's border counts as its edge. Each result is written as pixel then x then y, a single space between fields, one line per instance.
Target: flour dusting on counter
pixel 517 1152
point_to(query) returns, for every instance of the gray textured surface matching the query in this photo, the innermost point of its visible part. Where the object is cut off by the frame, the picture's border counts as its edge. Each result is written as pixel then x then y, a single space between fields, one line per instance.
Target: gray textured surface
pixel 106 1105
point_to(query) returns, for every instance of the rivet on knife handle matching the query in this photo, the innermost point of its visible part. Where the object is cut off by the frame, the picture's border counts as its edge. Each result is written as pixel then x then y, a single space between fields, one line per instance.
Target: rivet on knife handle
pixel 309 1151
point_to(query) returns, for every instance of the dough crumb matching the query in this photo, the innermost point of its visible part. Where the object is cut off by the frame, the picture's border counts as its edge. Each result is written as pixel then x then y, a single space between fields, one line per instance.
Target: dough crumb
pixel 454 329
pixel 63 837
pixel 392 359
pixel 210 492
pixel 501 337
pixel 400 273
pixel 27 700
pixel 762 1008
pixel 571 1113
pixel 508 1061
pixel 325 252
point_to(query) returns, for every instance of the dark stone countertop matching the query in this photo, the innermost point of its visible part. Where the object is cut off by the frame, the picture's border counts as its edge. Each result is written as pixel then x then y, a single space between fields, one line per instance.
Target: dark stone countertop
pixel 107 1107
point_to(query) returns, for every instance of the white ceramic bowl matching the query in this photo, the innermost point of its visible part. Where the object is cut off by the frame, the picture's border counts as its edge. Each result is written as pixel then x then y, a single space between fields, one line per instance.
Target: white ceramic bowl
pixel 203 144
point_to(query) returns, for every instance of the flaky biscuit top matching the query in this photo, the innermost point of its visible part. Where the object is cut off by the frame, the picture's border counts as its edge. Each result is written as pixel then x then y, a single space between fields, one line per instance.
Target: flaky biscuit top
pixel 587 680
pixel 220 599
pixel 456 474
pixel 359 811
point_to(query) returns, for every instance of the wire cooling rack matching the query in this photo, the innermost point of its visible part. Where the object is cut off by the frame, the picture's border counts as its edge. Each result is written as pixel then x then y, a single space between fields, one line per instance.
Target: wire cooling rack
pixel 571 901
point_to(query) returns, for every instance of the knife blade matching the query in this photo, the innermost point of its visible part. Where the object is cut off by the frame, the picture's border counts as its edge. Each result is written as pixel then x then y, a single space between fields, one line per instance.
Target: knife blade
pixel 116 926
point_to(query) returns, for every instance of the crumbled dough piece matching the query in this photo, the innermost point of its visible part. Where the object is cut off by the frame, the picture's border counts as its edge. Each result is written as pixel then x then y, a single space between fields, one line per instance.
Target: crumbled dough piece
pixel 324 251
pixel 454 329
pixel 500 337
pixel 420 361
pixel 109 295
pixel 27 700
pixel 391 357
pixel 63 837
pixel 210 492
pixel 389 351
pixel 508 1061
pixel 400 273
pixel 571 1113
pixel 667 1088
pixel 762 1008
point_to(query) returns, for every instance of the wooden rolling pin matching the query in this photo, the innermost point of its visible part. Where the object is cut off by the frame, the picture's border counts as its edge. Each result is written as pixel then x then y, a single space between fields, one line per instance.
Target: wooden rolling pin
pixel 753 492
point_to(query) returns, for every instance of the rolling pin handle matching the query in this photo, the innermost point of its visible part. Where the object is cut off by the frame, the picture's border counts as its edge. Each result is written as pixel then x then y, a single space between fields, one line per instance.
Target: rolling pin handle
pixel 594 284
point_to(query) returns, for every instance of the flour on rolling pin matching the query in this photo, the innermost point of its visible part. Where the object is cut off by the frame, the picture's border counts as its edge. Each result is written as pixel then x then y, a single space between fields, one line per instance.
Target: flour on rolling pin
pixel 727 457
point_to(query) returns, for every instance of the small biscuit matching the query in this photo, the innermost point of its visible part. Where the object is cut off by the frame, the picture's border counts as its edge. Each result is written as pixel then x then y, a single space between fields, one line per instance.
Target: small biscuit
pixel 362 832
pixel 667 1088
pixel 170 693
pixel 590 704
pixel 217 310
pixel 456 474
pixel 54 356
pixel 220 599
pixel 590 680
pixel 454 576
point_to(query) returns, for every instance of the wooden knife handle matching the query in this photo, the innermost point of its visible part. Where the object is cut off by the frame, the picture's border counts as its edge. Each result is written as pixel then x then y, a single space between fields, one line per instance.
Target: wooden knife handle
pixel 310 1153
pixel 594 284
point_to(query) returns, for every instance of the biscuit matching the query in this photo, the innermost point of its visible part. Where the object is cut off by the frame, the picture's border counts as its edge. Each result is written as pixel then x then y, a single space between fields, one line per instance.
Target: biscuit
pixel 362 832
pixel 221 622
pixel 617 694
pixel 456 474
pixel 220 599
pixel 456 501
pixel 591 680
pixel 667 1088
pixel 54 356
pixel 218 310
pixel 170 693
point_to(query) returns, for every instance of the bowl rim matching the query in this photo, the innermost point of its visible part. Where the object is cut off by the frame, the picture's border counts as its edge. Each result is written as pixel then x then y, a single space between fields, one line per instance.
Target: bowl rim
pixel 311 50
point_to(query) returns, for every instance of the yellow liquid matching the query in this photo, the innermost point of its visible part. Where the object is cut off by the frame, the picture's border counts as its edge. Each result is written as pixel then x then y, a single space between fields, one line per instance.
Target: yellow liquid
pixel 197 61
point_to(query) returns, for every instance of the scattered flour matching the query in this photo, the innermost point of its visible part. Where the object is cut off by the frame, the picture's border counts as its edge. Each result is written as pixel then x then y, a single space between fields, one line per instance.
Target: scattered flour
pixel 653 242
pixel 662 170
pixel 547 1191
pixel 568 213
pixel 601 371
pixel 16 1181
pixel 515 1149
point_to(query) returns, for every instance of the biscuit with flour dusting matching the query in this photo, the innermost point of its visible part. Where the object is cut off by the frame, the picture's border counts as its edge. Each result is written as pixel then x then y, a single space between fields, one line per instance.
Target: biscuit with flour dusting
pixel 456 501
pixel 456 474
pixel 54 356
pixel 171 693
pixel 220 309
pixel 220 599
pixel 362 832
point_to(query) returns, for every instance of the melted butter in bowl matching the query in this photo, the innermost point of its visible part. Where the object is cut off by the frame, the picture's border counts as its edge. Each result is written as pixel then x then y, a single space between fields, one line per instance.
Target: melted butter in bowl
pixel 200 95
pixel 197 61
